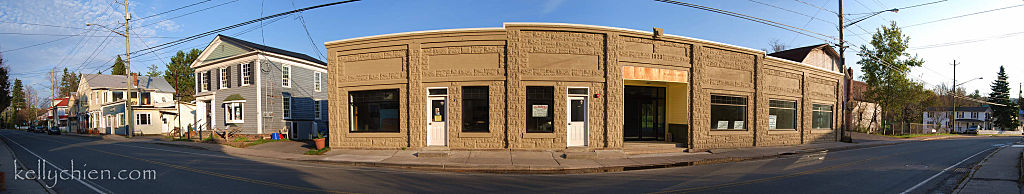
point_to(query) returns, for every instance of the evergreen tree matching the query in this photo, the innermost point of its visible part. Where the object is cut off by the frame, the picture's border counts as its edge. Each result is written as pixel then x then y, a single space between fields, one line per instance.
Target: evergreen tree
pixel 68 83
pixel 153 71
pixel 180 74
pixel 1005 114
pixel 18 95
pixel 5 85
pixel 119 68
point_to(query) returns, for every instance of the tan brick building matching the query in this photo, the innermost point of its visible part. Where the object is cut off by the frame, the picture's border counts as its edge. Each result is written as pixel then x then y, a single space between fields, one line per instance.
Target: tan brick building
pixel 542 86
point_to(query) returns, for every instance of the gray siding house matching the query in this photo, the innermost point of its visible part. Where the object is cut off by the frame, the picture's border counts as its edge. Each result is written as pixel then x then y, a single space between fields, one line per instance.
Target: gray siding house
pixel 259 90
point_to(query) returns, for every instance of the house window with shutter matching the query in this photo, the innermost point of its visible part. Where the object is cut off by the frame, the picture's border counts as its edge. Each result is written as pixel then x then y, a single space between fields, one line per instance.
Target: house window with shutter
pixel 246 72
pixel 225 77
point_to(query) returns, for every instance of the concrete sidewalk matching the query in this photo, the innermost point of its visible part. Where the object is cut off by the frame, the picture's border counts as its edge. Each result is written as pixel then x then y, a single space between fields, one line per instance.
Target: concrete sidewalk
pixel 7 166
pixel 537 162
pixel 999 173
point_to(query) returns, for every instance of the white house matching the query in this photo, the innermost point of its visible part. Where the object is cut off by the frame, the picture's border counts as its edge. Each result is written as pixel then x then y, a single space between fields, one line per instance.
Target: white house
pixel 976 118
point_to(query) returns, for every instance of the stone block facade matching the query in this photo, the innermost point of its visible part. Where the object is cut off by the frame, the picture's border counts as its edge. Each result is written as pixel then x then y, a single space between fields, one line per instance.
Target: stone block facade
pixel 507 60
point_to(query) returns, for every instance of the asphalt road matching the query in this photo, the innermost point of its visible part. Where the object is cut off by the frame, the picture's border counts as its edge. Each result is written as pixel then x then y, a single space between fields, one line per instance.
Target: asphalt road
pixel 921 167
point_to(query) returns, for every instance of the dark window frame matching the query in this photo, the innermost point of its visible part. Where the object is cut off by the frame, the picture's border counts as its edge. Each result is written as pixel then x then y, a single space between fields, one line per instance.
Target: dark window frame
pixel 727 103
pixel 819 110
pixel 473 103
pixel 544 97
pixel 375 103
pixel 775 105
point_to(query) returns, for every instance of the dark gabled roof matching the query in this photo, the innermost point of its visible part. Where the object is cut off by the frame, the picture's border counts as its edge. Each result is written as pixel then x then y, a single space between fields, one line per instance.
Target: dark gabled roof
pixel 799 54
pixel 960 108
pixel 261 47
pixel 858 90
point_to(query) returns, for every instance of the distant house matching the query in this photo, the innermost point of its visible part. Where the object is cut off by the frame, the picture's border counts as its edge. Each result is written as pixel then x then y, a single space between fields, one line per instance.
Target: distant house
pixel 821 55
pixel 866 115
pixel 101 99
pixel 259 90
pixel 61 121
pixel 939 118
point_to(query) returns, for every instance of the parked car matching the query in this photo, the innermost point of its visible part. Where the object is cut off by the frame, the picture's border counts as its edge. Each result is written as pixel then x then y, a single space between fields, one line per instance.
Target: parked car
pixel 53 131
pixel 39 129
pixel 971 130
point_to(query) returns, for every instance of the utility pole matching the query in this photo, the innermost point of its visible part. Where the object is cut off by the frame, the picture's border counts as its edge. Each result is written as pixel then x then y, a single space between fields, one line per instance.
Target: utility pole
pixel 53 91
pixel 847 79
pixel 129 117
pixel 953 99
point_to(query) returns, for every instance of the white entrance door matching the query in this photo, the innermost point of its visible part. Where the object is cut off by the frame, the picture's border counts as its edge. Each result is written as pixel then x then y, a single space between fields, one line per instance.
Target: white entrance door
pixel 577 130
pixel 437 128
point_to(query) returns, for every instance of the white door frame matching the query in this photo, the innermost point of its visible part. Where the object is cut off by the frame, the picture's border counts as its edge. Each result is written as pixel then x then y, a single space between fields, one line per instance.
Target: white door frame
pixel 586 115
pixel 429 112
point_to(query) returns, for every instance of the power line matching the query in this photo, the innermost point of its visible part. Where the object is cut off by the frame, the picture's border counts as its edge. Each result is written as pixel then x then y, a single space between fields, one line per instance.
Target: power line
pixel 175 9
pixel 99 36
pixel 754 19
pixel 815 6
pixel 312 43
pixel 1008 35
pixel 47 42
pixel 960 16
pixel 46 25
pixel 189 13
pixel 795 12
pixel 193 37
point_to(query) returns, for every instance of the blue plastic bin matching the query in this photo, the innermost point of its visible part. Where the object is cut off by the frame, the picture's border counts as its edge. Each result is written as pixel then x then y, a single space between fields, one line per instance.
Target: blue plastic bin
pixel 275 136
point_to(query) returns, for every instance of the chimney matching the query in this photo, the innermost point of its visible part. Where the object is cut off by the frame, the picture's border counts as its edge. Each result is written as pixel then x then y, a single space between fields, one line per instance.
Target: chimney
pixel 135 80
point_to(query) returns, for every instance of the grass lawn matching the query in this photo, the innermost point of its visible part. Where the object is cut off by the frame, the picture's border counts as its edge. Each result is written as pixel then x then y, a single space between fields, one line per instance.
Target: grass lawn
pixel 317 152
pixel 919 135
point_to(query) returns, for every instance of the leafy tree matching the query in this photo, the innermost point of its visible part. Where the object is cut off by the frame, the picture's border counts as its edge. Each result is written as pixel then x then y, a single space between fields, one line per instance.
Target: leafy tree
pixel 153 71
pixel 68 83
pixel 119 68
pixel 180 74
pixel 885 65
pixel 1004 114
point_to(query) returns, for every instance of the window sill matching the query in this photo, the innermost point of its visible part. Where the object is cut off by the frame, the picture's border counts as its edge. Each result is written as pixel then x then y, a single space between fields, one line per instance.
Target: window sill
pixel 821 130
pixel 729 132
pixel 234 122
pixel 475 134
pixel 374 134
pixel 783 131
pixel 539 135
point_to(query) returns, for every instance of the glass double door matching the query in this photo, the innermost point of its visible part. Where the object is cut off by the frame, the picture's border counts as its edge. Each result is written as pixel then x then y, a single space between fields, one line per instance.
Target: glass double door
pixel 644 113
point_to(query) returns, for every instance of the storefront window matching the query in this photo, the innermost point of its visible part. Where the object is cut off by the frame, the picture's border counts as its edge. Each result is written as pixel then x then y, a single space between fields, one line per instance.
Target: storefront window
pixel 822 116
pixel 540 101
pixel 475 109
pixel 374 111
pixel 728 112
pixel 781 114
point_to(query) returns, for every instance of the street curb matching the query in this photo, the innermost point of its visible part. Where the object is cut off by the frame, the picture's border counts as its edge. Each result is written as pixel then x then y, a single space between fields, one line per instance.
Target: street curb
pixel 960 187
pixel 619 168
pixel 504 169
pixel 22 165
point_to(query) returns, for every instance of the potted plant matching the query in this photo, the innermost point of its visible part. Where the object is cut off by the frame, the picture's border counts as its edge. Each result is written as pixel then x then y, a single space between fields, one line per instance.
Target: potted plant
pixel 319 141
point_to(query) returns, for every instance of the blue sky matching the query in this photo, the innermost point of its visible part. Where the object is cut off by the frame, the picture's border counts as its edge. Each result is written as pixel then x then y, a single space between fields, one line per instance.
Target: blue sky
pixel 373 17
